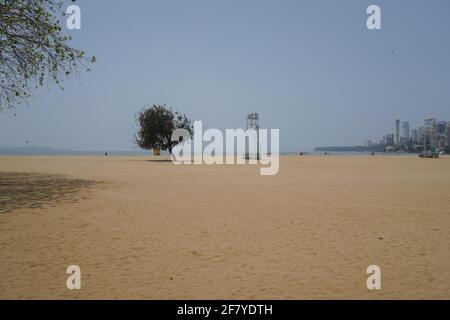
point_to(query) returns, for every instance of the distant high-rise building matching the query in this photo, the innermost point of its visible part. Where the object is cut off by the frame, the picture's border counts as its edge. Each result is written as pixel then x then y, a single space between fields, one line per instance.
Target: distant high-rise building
pixel 405 131
pixel 430 133
pixel 405 138
pixel 448 135
pixel 397 132
pixel 441 134
pixel 441 127
pixel 389 139
pixel 421 135
pixel 415 136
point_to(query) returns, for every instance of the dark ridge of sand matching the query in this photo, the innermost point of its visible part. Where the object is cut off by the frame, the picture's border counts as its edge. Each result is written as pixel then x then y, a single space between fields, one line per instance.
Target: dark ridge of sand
pixel 34 190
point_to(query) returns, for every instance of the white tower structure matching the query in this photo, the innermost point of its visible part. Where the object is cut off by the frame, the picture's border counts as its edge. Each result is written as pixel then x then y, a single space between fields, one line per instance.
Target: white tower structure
pixel 253 125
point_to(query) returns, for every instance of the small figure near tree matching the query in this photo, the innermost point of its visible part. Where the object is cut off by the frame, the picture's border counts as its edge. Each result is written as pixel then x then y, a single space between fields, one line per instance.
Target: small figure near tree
pixel 156 125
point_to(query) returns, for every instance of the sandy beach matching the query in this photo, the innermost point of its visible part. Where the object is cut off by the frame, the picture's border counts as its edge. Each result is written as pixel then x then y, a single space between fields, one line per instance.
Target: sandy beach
pixel 143 228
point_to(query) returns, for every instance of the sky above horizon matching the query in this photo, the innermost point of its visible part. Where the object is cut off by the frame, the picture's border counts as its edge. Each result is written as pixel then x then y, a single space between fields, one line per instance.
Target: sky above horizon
pixel 310 68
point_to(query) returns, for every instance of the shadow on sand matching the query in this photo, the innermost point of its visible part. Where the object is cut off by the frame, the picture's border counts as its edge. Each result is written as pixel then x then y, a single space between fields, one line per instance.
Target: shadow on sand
pixel 32 190
pixel 159 161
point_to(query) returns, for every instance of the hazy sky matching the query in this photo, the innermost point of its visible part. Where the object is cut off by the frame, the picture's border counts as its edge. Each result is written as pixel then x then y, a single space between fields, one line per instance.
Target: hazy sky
pixel 310 68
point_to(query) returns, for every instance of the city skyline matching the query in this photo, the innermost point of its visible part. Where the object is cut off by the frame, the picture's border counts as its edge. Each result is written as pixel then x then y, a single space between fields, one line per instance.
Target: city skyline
pixel 407 136
pixel 433 134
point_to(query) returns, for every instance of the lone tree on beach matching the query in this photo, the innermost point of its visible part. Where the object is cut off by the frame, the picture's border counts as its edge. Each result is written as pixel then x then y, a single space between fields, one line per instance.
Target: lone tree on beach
pixel 156 125
pixel 33 50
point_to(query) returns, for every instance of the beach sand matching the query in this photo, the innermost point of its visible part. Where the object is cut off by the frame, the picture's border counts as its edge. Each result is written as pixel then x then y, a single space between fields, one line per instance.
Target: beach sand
pixel 140 228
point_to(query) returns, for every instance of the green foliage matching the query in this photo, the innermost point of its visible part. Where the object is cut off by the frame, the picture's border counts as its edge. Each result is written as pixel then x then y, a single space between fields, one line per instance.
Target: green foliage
pixel 156 125
pixel 32 49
